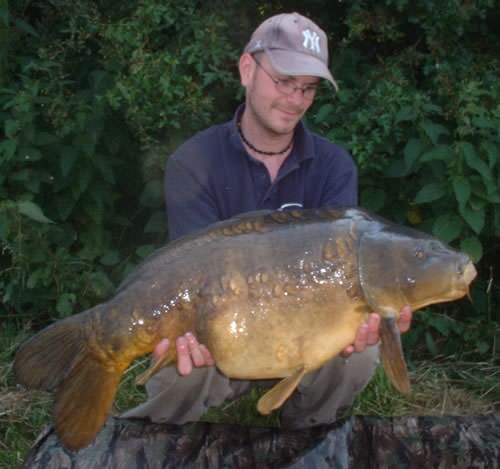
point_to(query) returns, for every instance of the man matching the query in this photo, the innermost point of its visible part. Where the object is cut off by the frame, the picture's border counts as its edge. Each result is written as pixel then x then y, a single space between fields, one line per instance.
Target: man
pixel 263 159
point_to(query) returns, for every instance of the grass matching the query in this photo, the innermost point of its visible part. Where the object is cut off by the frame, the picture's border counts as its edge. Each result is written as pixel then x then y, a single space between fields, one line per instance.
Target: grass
pixel 443 386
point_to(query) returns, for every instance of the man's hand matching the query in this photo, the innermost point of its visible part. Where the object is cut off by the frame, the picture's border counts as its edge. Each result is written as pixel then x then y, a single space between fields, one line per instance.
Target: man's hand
pixel 368 332
pixel 190 353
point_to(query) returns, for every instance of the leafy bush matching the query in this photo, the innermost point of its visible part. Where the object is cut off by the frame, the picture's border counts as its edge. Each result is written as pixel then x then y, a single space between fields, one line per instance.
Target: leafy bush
pixel 95 99
pixel 97 94
pixel 419 109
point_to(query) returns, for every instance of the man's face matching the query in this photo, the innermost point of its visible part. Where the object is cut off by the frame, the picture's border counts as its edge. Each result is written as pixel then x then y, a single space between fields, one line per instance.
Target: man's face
pixel 267 98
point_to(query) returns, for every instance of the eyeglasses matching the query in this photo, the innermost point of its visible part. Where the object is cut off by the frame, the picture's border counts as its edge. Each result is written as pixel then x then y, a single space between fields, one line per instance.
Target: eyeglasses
pixel 288 86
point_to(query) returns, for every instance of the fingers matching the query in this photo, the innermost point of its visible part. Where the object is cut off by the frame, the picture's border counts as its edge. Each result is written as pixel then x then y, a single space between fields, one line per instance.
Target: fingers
pixel 366 335
pixel 160 349
pixel 373 324
pixel 347 352
pixel 190 353
pixel 184 364
pixel 197 356
pixel 404 321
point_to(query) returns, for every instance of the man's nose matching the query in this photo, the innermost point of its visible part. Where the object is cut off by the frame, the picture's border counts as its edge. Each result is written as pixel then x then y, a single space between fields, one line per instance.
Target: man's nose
pixel 297 96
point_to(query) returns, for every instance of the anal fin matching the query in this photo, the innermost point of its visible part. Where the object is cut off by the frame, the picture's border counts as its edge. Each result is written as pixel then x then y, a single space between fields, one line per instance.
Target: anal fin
pixel 391 353
pixel 279 393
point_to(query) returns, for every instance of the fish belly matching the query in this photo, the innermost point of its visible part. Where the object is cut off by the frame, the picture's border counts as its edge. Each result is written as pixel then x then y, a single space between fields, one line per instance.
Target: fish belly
pixel 259 340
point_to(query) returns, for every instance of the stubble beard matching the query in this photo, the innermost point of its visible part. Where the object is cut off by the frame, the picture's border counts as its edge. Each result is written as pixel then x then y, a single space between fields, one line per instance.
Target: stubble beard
pixel 263 120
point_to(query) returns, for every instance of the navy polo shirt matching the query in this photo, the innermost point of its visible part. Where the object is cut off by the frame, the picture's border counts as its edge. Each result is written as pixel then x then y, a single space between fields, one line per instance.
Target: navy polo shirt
pixel 211 177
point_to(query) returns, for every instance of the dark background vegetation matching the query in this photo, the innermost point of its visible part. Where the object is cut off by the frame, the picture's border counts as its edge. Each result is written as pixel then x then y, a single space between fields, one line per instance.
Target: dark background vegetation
pixel 95 95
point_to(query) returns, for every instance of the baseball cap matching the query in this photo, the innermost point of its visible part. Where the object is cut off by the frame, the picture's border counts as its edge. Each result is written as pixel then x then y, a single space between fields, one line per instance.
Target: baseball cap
pixel 294 44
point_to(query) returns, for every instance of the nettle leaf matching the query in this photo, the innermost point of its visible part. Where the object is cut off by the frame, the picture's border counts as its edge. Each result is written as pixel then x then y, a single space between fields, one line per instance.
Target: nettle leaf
pixel 462 189
pixel 439 152
pixel 440 323
pixel 373 198
pixel 26 27
pixel 105 168
pixel 473 247
pixel 483 346
pixel 412 150
pixel 30 179
pixel 8 149
pixel 492 151
pixel 33 211
pixel 488 193
pixel 496 220
pixel 474 218
pixel 65 205
pixel 67 160
pixel 324 111
pixel 474 161
pixel 29 154
pixel 447 227
pixel 45 138
pixel 431 345
pixel 483 122
pixel 396 169
pixel 11 127
pixel 4 15
pixel 110 258
pixel 406 113
pixel 82 181
pixel 156 223
pixel 65 304
pixel 152 195
pixel 5 224
pixel 434 131
pixel 145 250
pixel 34 277
pixel 430 193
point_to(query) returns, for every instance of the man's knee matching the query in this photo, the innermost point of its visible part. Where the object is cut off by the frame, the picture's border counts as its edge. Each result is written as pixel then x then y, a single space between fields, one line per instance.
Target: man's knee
pixel 179 399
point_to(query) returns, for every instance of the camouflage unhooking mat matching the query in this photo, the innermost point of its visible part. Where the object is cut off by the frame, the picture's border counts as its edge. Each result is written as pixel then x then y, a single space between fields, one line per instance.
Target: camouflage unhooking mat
pixel 356 442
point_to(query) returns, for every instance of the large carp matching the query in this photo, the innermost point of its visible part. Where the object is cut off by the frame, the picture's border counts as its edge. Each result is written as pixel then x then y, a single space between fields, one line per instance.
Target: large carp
pixel 272 296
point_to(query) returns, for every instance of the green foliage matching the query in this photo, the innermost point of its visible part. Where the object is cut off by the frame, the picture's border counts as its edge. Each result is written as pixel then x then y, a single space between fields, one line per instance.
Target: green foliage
pixel 418 108
pixel 97 94
pixel 169 61
pixel 424 108
pixel 96 98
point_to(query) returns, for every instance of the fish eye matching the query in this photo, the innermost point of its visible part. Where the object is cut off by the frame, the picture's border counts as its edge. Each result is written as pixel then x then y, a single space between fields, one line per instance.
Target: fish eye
pixel 419 253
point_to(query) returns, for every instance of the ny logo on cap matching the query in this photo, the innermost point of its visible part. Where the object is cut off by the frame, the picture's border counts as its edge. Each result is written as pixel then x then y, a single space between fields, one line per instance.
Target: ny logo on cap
pixel 311 40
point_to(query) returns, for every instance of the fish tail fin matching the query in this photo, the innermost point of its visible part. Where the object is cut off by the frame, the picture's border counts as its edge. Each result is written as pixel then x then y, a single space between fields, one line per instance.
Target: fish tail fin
pixel 391 353
pixel 44 360
pixel 83 402
pixel 61 358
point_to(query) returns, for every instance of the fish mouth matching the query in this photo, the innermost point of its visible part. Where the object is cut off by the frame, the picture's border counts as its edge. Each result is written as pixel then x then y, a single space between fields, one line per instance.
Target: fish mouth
pixel 469 275
pixel 465 273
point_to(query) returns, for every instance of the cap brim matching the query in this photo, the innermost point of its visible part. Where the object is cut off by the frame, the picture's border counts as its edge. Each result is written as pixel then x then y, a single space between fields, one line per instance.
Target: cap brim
pixel 294 63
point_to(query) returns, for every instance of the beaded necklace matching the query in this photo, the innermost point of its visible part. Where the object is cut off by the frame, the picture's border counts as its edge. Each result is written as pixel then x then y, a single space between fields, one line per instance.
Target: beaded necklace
pixel 269 153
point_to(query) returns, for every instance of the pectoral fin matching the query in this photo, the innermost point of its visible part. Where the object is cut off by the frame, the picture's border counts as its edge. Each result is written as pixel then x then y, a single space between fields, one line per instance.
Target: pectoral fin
pixel 392 355
pixel 164 360
pixel 279 393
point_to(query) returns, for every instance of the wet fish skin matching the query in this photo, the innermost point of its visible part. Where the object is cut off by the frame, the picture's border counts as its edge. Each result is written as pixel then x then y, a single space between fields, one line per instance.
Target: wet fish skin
pixel 272 296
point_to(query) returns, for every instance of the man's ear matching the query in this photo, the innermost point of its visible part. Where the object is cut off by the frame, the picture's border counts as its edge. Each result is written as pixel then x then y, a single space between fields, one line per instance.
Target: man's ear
pixel 246 67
